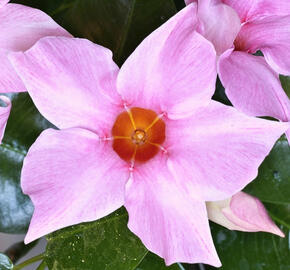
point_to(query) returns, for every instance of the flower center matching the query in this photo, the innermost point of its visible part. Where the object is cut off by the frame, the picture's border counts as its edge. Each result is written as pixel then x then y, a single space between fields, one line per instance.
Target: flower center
pixel 139 137
pixel 138 134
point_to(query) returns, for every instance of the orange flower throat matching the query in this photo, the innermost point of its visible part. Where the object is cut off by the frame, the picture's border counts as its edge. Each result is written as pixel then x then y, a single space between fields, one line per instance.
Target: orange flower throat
pixel 138 134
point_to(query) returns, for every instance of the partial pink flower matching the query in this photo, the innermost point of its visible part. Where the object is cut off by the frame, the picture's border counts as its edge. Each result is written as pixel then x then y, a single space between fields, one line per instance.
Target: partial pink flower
pixel 242 212
pixel 4 114
pixel 239 29
pixel 21 27
pixel 146 136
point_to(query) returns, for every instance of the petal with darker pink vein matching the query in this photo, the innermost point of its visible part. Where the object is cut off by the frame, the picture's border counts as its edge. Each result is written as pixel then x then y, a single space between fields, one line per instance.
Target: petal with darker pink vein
pixel 71 177
pixel 242 212
pixel 252 9
pixel 72 89
pixel 217 152
pixel 172 70
pixel 4 114
pixel 169 222
pixel 252 86
pixel 271 35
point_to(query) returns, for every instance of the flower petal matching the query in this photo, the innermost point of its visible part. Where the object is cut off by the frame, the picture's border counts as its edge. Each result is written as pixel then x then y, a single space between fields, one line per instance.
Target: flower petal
pixel 271 35
pixel 172 70
pixel 3 2
pixel 9 80
pixel 170 223
pixel 22 26
pixel 71 177
pixel 242 212
pixel 71 89
pixel 217 152
pixel 220 24
pixel 252 86
pixel 4 114
pixel 249 10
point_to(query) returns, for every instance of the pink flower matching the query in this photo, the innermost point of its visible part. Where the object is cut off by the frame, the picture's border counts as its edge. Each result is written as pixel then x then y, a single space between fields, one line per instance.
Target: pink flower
pixel 238 29
pixel 20 28
pixel 242 212
pixel 146 136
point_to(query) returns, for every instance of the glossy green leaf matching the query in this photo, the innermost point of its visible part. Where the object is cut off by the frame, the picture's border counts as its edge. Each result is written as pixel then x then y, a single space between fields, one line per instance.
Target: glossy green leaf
pixel 117 25
pixel 251 251
pixel 272 183
pixel 104 244
pixel 153 262
pixel 279 213
pixel 5 262
pixel 24 126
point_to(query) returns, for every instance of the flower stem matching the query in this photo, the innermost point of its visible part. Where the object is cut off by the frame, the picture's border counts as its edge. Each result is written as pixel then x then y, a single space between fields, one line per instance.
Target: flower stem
pixel 29 261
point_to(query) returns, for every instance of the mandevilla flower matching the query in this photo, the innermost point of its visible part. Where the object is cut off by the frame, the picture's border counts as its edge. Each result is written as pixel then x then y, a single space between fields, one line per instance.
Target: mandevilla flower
pixel 242 212
pixel 20 28
pixel 146 136
pixel 238 29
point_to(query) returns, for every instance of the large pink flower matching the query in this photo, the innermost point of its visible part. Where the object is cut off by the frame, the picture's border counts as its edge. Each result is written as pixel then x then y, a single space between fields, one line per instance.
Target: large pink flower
pixel 146 136
pixel 238 29
pixel 20 28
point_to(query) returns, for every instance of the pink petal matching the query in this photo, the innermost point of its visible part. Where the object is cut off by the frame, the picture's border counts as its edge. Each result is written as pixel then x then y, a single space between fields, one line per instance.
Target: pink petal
pixel 172 70
pixel 168 221
pixel 249 10
pixel 9 80
pixel 72 82
pixel 187 2
pixel 220 24
pixel 21 27
pixel 3 2
pixel 71 177
pixel 217 152
pixel 4 114
pixel 252 86
pixel 242 212
pixel 271 35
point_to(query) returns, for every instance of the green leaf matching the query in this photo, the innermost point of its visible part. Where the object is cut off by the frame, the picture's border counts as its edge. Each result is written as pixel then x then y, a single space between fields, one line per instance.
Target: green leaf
pixel 251 251
pixel 285 81
pixel 103 244
pixel 5 262
pixel 279 213
pixel 272 183
pixel 117 25
pixel 153 262
pixel 24 126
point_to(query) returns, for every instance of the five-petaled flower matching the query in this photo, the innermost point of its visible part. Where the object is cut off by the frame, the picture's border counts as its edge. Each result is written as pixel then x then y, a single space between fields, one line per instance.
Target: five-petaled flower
pixel 20 28
pixel 146 136
pixel 238 29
